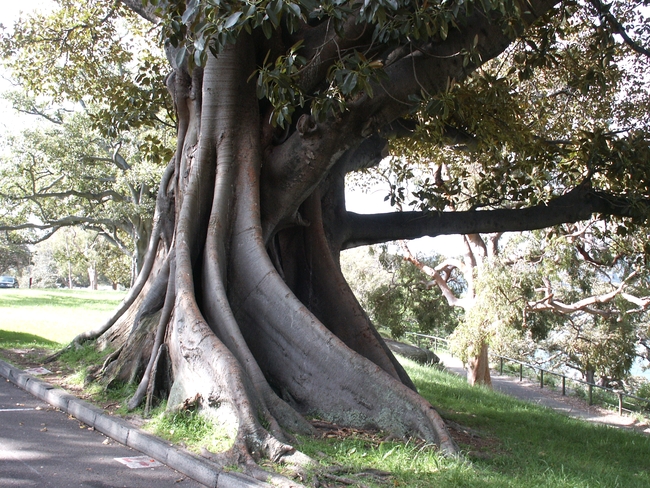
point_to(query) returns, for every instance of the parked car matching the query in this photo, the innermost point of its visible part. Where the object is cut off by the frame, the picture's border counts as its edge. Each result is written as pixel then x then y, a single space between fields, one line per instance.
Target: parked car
pixel 8 282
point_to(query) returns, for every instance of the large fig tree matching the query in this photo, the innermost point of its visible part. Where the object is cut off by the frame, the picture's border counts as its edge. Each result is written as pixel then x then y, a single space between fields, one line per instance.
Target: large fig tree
pixel 241 307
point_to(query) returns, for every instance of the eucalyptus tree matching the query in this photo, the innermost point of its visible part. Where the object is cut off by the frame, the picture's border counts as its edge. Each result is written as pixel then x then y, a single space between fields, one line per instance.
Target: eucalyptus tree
pixel 587 299
pixel 84 258
pixel 14 255
pixel 481 313
pixel 241 308
pixel 405 301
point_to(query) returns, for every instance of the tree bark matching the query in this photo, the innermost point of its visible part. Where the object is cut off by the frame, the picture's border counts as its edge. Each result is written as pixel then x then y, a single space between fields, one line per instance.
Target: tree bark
pixel 92 277
pixel 478 367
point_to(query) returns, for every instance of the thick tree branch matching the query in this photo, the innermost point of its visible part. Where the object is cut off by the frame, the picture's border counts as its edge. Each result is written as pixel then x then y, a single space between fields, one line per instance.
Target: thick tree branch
pixel 64 222
pixel 100 197
pixel 323 46
pixel 579 204
pixel 549 303
pixel 303 160
pixel 33 110
pixel 430 70
pixel 147 13
pixel 642 302
pixel 598 262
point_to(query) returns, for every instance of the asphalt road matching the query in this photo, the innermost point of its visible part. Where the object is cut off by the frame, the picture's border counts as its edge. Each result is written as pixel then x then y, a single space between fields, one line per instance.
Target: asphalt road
pixel 44 447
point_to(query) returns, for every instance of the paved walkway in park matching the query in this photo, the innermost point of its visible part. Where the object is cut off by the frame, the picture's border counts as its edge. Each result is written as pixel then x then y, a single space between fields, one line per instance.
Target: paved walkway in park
pixel 568 405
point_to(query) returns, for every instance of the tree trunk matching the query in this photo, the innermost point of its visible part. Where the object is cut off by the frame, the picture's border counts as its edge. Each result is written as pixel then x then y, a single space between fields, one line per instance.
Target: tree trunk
pixel 92 277
pixel 478 367
pixel 259 330
pixel 141 238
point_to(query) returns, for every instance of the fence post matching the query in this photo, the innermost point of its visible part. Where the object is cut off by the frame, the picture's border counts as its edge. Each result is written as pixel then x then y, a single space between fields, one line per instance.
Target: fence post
pixel 591 388
pixel 620 403
pixel 501 364
pixel 563 385
pixel 521 372
pixel 541 378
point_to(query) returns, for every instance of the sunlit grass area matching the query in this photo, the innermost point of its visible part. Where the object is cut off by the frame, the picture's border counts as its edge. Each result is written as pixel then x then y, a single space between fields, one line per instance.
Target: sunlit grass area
pixel 191 429
pixel 50 318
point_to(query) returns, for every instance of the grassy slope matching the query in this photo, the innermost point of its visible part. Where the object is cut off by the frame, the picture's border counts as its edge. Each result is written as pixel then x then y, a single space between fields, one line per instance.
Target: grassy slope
pixel 510 443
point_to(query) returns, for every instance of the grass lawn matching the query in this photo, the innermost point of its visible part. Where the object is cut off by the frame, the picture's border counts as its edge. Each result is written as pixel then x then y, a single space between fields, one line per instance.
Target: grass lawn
pixel 505 442
pixel 51 318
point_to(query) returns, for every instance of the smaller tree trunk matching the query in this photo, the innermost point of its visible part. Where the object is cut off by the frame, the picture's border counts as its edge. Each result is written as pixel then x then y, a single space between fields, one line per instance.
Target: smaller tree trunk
pixel 478 368
pixel 69 275
pixel 92 277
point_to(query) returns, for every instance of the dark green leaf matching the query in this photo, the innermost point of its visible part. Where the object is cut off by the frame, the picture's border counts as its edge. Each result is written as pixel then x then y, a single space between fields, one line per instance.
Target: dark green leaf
pixel 232 20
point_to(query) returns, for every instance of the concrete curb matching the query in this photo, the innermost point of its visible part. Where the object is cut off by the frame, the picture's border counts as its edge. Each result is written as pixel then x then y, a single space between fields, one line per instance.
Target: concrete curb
pixel 192 466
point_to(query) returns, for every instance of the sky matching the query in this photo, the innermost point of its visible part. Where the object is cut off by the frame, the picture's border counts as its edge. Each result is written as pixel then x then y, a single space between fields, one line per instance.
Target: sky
pixel 11 9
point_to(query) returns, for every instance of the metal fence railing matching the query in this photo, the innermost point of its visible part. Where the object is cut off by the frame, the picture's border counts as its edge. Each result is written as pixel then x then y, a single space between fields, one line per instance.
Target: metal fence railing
pixel 619 397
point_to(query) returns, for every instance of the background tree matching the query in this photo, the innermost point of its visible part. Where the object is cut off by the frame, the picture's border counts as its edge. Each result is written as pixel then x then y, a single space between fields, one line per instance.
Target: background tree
pixel 482 317
pixel 590 299
pixel 66 174
pixel 45 272
pixel 93 78
pixel 364 272
pixel 394 292
pixel 114 266
pixel 14 256
pixel 575 296
pixel 241 308
pixel 96 52
pixel 75 258
pixel 408 302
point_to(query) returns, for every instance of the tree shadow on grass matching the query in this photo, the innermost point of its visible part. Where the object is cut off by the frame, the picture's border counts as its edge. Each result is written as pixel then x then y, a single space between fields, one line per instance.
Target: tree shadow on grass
pixel 21 340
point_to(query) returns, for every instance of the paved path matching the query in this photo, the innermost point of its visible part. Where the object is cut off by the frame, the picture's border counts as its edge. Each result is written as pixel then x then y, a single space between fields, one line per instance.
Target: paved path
pixel 40 445
pixel 43 447
pixel 568 405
